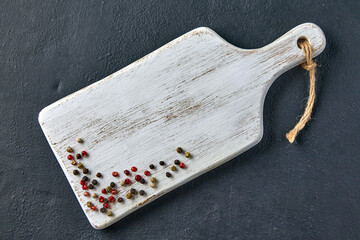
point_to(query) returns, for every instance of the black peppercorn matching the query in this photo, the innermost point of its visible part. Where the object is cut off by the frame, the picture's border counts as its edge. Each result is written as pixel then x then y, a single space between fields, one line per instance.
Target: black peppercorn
pixel 142 181
pixel 94 182
pixel 78 156
pixel 168 174
pixel 112 184
pixel 179 150
pixel 151 166
pixel 106 200
pixel 103 210
pixel 98 175
pixel 85 178
pixel 120 199
pixel 75 172
pixel 91 186
pixel 177 162
pixel 142 192
pixel 85 171
pixel 133 191
pixel 162 163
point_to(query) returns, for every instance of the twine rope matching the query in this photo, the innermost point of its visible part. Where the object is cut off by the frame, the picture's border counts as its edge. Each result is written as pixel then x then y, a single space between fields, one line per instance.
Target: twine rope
pixel 309 66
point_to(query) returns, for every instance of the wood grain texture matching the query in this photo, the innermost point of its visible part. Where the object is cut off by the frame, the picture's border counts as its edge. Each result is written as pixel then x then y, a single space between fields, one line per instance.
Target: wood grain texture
pixel 198 92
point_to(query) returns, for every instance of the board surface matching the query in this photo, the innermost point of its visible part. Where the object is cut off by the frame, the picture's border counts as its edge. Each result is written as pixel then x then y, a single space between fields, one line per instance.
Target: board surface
pixel 198 92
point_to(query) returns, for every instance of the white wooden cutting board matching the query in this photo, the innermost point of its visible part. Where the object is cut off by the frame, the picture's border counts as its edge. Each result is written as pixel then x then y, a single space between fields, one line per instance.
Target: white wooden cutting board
pixel 198 92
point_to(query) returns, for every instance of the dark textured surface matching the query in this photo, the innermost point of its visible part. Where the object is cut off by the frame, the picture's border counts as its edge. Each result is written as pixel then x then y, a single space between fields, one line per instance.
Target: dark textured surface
pixel 308 190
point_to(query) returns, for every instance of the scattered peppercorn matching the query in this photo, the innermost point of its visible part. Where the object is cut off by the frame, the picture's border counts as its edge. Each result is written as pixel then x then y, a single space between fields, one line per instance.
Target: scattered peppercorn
pixel 85 178
pixel 127 172
pixel 127 181
pixel 84 154
pixel 78 156
pixel 85 171
pixel 128 195
pixel 111 199
pixel 134 169
pixel 101 199
pixel 86 194
pixel 94 195
pixel 151 166
pixel 122 183
pixel 120 199
pixel 115 174
pixel 94 182
pixel 84 187
pixel 152 185
pixel 93 208
pixel 162 163
pixel 182 165
pixel 98 175
pixel 112 184
pixel 109 213
pixel 108 189
pixel 105 205
pixel 89 204
pixel 69 150
pixel 133 191
pixel 179 150
pixel 113 191
pixel 82 182
pixel 153 180
pixel 106 200
pixel 70 157
pixel 137 178
pixel 80 166
pixel 146 173
pixel 79 140
pixel 177 162
pixel 168 174
pixel 142 192
pixel 103 191
pixel 142 181
pixel 173 168
pixel 103 210
pixel 187 154
pixel 76 172
pixel 91 186
pixel 73 162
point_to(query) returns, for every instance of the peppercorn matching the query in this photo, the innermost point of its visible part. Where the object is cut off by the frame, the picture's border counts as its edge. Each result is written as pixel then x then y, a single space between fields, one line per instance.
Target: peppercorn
pixel 103 210
pixel 128 195
pixel 182 165
pixel 109 213
pixel 152 185
pixel 179 150
pixel 173 168
pixel 73 162
pixel 103 191
pixel 76 172
pixel 93 208
pixel 142 192
pixel 79 140
pixel 137 178
pixel 112 184
pixel 91 186
pixel 111 199
pixel 146 173
pixel 162 163
pixel 86 194
pixel 187 154
pixel 177 162
pixel 133 191
pixel 151 166
pixel 142 181
pixel 134 169
pixel 80 166
pixel 69 150
pixel 98 175
pixel 127 181
pixel 70 157
pixel 153 180
pixel 84 154
pixel 101 199
pixel 168 174
pixel 108 189
pixel 106 200
pixel 122 183
pixel 113 191
pixel 127 172
pixel 78 156
pixel 82 182
pixel 115 174
pixel 105 205
pixel 94 195
pixel 89 204
pixel 85 178
pixel 120 199
pixel 84 187
pixel 94 182
pixel 85 171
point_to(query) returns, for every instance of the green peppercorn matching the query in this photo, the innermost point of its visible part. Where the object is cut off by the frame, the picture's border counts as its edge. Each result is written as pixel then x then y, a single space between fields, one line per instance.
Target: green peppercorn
pixel 103 210
pixel 142 192
pixel 173 168
pixel 76 172
pixel 94 182
pixel 89 204
pixel 80 166
pixel 133 191
pixel 187 154
pixel 78 156
pixel 91 186
pixel 168 174
pixel 98 175
pixel 179 150
pixel 142 181
pixel 69 150
pixel 153 180
pixel 109 213
pixel 112 184
pixel 120 199
pixel 128 195
pixel 151 166
pixel 73 162
pixel 108 189
pixel 85 178
pixel 85 171
pixel 162 163
pixel 79 140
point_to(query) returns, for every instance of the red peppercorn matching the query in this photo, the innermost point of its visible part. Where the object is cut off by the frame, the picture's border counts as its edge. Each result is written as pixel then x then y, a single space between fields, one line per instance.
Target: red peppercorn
pixel 127 181
pixel 113 191
pixel 115 174
pixel 147 173
pixel 86 194
pixel 101 199
pixel 82 182
pixel 84 187
pixel 126 172
pixel 182 165
pixel 93 208
pixel 70 157
pixel 137 178
pixel 84 154
pixel 134 169
pixel 103 191
pixel 106 205
pixel 111 199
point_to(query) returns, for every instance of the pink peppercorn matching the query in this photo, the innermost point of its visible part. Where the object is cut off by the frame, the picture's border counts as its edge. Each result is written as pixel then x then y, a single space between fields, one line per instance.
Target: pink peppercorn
pixel 103 191
pixel 111 199
pixel 115 174
pixel 93 208
pixel 101 199
pixel 127 181
pixel 134 169
pixel 86 194
pixel 137 178
pixel 84 187
pixel 147 173
pixel 106 205
pixel 126 172
pixel 182 165
pixel 82 182
pixel 113 191
pixel 84 154
pixel 70 157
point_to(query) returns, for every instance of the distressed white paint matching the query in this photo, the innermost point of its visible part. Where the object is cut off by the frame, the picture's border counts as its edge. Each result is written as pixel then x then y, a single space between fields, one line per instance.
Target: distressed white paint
pixel 198 92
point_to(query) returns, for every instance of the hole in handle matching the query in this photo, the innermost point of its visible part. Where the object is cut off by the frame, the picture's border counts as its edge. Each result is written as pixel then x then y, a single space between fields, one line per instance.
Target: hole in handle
pixel 301 40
